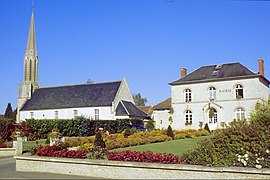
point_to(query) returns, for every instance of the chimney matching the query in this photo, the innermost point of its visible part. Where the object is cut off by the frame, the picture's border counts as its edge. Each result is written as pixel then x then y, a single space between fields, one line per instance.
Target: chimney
pixel 183 72
pixel 261 66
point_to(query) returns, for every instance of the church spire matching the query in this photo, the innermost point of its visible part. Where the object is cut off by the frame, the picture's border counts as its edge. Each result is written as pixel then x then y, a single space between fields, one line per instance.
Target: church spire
pixel 31 42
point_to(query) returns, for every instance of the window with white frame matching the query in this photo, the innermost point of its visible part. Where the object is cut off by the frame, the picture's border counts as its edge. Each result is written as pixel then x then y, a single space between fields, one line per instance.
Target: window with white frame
pixel 240 113
pixel 188 115
pixel 32 115
pixel 96 114
pixel 75 113
pixel 187 95
pixel 213 115
pixel 239 91
pixel 212 93
pixel 56 114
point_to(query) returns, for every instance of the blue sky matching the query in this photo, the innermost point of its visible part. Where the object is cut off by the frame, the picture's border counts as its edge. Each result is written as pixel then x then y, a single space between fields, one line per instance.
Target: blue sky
pixel 146 41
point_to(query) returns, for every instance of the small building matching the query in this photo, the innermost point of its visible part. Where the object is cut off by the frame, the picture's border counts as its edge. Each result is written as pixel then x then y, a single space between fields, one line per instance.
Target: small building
pixel 216 95
pixel 162 114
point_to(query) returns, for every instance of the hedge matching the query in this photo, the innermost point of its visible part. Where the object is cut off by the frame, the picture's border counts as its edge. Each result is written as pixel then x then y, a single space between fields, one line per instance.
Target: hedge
pixel 40 128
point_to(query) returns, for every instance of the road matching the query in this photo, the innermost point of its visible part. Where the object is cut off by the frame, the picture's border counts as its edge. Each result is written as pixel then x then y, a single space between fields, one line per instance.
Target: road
pixel 7 171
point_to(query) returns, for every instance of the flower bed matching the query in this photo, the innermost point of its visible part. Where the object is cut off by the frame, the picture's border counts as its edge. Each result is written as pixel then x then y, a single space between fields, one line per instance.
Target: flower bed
pixel 148 157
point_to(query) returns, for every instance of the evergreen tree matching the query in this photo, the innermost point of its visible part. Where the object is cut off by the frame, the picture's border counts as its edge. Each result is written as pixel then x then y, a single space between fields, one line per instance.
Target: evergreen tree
pixel 14 114
pixel 170 132
pixel 8 112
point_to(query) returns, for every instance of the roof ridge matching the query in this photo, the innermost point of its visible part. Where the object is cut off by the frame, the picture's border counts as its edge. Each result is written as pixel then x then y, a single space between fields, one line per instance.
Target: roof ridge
pixel 85 84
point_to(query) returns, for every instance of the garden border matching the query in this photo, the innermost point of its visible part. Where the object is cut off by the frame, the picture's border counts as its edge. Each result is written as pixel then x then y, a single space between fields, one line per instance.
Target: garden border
pixel 133 170
pixel 4 152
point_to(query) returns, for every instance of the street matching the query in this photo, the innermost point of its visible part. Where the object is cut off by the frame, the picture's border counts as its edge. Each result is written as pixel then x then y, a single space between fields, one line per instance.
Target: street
pixel 7 171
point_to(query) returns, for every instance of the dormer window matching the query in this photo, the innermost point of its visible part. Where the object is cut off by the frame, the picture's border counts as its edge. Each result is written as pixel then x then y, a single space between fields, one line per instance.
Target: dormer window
pixel 212 93
pixel 187 95
pixel 239 91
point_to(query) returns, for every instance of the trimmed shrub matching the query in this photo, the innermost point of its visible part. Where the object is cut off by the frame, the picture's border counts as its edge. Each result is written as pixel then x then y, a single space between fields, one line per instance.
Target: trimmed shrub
pixel 170 132
pixel 7 126
pixel 99 140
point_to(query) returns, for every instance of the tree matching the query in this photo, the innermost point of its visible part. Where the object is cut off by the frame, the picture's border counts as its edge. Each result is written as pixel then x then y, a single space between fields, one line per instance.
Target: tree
pixel 14 114
pixel 139 101
pixel 8 112
pixel 170 132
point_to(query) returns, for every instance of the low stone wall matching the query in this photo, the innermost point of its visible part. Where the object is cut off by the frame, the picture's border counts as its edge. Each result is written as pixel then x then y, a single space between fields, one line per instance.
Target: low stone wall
pixel 4 152
pixel 133 170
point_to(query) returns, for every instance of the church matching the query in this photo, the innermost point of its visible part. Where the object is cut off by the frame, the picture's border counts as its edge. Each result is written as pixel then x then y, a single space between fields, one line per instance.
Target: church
pixel 105 101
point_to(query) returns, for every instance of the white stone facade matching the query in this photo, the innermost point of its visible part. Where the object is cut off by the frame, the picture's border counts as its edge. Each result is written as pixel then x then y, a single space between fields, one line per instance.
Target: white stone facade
pixel 225 103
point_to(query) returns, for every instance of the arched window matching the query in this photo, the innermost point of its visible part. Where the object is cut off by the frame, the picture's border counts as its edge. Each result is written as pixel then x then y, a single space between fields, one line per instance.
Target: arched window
pixel 188 115
pixel 240 113
pixel 212 115
pixel 239 91
pixel 212 93
pixel 187 95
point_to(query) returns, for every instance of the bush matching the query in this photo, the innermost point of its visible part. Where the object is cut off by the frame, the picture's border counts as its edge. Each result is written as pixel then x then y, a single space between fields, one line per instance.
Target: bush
pixel 150 125
pixel 170 132
pixel 6 128
pixel 242 143
pixel 148 157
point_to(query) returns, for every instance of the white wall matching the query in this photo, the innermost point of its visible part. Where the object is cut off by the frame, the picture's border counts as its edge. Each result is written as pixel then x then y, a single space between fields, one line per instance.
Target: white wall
pixel 161 118
pixel 225 102
pixel 89 112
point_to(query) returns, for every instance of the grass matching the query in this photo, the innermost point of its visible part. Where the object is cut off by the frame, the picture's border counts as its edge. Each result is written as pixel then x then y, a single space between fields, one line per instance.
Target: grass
pixel 177 147
pixel 27 145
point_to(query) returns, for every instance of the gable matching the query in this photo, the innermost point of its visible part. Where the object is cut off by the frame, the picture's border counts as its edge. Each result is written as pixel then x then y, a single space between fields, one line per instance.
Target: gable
pixel 126 108
pixel 84 95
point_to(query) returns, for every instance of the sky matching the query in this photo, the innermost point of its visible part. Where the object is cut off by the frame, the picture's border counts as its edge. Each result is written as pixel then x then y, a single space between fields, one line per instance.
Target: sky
pixel 145 41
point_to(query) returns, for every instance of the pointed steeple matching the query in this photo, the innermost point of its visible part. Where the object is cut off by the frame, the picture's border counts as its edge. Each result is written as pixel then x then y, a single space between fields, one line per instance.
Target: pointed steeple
pixel 31 48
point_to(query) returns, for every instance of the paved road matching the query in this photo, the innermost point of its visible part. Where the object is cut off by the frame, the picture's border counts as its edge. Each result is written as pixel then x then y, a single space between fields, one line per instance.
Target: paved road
pixel 7 171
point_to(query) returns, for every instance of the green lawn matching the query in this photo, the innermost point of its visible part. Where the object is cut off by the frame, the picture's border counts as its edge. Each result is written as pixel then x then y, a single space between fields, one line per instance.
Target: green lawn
pixel 177 147
pixel 30 144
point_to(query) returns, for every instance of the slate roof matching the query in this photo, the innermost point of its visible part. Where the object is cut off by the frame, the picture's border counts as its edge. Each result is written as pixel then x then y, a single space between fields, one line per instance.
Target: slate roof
pixel 164 105
pixel 226 71
pixel 84 95
pixel 126 108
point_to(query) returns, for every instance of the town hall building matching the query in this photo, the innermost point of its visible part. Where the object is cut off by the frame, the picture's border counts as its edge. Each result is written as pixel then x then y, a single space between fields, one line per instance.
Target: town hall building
pixel 106 101
pixel 215 94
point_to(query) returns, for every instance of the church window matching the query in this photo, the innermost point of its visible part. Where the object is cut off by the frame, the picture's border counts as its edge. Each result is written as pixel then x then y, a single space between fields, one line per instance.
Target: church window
pixel 25 71
pixel 96 114
pixel 239 91
pixel 188 115
pixel 30 71
pixel 212 93
pixel 187 95
pixel 75 114
pixel 56 114
pixel 212 115
pixel 240 113
pixel 32 115
pixel 160 121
